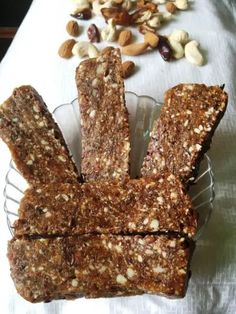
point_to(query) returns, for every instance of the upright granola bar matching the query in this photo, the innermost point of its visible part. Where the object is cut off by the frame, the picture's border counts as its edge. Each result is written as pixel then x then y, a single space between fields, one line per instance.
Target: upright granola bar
pixel 132 206
pixel 34 139
pixel 183 133
pixel 99 266
pixel 104 117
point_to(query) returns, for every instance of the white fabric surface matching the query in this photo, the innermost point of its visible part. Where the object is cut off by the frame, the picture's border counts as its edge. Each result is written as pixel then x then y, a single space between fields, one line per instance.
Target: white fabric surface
pixel 32 59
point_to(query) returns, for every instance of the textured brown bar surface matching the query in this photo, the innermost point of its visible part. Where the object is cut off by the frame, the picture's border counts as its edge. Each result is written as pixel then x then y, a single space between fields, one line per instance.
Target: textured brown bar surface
pixel 104 117
pixel 183 133
pixel 99 266
pixel 34 139
pixel 132 206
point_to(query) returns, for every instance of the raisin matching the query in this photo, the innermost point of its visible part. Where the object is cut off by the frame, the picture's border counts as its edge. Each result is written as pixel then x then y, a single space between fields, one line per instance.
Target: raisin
pixel 85 14
pixel 93 33
pixel 164 48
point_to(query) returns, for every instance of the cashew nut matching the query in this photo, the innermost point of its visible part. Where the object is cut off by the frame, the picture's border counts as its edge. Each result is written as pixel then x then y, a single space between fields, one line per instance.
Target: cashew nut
pixel 178 50
pixel 154 22
pixel 85 49
pixel 80 5
pixel 181 4
pixel 192 53
pixel 145 16
pixel 109 33
pixel 97 6
pixel 180 36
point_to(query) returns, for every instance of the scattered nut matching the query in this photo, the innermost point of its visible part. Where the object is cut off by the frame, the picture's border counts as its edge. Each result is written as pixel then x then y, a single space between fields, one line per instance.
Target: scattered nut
pixel 65 50
pixel 125 38
pixel 97 6
pixel 109 33
pixel 164 48
pixel 151 39
pixel 85 49
pixel 72 28
pixel 144 28
pixel 141 16
pixel 178 50
pixel 134 49
pixel 84 14
pixel 147 5
pixel 181 4
pixel 93 33
pixel 171 7
pixel 80 5
pixel 127 68
pixel 127 4
pixel 192 53
pixel 119 15
pixel 180 35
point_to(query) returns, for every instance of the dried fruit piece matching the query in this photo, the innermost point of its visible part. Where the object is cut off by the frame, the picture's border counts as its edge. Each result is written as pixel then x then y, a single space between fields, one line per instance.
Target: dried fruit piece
pixel 134 49
pixel 93 33
pixel 119 15
pixel 151 39
pixel 84 14
pixel 72 28
pixel 144 28
pixel 125 37
pixel 171 7
pixel 127 68
pixel 65 50
pixel 164 48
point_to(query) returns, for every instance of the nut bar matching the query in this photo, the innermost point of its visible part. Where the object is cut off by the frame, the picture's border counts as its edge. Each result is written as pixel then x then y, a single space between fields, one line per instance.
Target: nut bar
pixel 183 133
pixel 99 266
pixel 115 207
pixel 104 117
pixel 34 139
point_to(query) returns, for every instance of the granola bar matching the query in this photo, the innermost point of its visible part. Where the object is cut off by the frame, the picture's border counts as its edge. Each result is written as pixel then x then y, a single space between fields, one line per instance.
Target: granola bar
pixel 183 133
pixel 104 117
pixel 99 266
pixel 34 139
pixel 132 206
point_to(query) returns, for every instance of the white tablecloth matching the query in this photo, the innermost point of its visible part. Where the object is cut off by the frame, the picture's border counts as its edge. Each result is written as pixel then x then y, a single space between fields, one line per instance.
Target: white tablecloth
pixel 32 59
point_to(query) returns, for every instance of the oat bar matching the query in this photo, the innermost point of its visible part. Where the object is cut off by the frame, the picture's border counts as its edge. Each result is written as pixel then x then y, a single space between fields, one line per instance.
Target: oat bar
pixel 99 266
pixel 34 139
pixel 183 133
pixel 104 117
pixel 115 207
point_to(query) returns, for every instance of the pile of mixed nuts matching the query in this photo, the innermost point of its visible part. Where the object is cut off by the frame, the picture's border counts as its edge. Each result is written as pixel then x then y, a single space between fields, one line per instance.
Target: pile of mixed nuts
pixel 121 14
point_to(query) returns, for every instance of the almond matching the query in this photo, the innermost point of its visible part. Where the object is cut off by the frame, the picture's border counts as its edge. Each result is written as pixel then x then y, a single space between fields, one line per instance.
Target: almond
pixel 65 50
pixel 171 7
pixel 125 38
pixel 72 28
pixel 127 68
pixel 151 39
pixel 134 49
